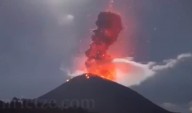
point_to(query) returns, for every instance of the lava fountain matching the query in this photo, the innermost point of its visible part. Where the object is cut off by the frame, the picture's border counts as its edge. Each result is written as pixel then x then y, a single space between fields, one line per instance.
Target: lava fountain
pixel 99 62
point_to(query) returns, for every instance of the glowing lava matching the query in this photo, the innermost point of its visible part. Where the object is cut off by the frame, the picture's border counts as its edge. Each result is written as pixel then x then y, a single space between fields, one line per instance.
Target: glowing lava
pixel 99 62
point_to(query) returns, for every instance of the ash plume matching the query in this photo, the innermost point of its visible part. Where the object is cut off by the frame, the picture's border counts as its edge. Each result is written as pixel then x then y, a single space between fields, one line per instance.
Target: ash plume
pixel 98 60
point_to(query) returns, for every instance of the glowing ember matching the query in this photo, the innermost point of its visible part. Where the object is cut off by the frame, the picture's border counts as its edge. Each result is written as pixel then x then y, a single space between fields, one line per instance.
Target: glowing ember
pixel 99 62
pixel 87 76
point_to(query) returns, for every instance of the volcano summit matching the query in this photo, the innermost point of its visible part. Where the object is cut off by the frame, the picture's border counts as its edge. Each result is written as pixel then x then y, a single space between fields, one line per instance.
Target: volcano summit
pixel 104 96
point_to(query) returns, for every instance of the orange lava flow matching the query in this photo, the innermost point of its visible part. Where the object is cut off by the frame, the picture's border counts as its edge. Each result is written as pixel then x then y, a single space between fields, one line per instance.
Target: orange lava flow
pixel 99 62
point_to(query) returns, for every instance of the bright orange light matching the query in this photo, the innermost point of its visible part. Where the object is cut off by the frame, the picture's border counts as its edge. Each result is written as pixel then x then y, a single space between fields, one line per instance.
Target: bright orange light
pixel 107 71
pixel 99 62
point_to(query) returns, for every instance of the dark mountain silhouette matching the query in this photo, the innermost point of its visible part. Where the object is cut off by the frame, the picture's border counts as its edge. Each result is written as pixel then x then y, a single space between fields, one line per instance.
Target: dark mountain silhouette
pixel 107 96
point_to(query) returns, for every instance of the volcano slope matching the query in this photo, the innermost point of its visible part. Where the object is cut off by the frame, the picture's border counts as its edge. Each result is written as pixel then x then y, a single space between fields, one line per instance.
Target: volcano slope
pixel 100 95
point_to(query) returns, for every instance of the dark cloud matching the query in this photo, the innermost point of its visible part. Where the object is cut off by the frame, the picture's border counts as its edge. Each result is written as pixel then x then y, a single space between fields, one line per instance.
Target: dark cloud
pixel 36 37
pixel 32 47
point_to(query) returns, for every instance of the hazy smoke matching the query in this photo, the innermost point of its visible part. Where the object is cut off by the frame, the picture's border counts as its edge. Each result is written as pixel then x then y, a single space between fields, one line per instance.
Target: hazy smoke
pixel 133 73
pixel 130 72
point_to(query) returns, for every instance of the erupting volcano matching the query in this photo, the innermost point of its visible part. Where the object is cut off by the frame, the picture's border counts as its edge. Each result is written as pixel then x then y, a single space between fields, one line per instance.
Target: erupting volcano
pixel 99 62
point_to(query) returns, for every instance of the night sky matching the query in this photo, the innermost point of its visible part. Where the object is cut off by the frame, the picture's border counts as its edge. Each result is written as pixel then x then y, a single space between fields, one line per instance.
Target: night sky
pixel 37 37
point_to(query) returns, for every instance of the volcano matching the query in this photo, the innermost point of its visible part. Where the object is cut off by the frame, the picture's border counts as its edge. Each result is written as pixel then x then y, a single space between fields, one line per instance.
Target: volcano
pixel 104 96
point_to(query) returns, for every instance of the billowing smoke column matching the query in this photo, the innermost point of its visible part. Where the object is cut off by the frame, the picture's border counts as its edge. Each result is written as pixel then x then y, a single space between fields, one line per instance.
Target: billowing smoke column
pixel 99 62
